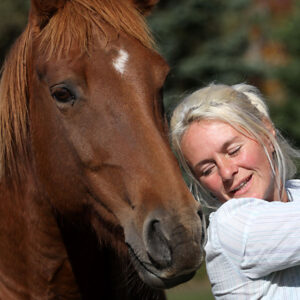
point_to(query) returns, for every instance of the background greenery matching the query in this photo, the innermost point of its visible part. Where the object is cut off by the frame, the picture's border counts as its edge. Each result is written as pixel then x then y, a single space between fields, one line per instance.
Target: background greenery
pixel 226 41
pixel 233 41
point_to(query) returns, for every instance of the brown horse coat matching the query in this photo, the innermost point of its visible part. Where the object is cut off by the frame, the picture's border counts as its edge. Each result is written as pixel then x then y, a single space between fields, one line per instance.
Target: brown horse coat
pixel 92 203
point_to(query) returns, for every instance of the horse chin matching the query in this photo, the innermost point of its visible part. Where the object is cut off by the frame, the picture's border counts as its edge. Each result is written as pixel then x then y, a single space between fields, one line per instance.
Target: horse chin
pixel 152 277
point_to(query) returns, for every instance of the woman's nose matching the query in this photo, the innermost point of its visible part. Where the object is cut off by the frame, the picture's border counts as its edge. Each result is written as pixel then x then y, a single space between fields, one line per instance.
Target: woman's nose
pixel 227 169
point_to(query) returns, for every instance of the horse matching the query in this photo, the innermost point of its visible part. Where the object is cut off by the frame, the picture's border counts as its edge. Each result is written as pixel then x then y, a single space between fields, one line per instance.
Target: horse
pixel 92 201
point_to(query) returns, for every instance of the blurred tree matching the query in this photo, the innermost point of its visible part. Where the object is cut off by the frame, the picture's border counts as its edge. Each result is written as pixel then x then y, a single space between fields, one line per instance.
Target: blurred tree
pixel 288 34
pixel 253 41
pixel 13 17
pixel 205 41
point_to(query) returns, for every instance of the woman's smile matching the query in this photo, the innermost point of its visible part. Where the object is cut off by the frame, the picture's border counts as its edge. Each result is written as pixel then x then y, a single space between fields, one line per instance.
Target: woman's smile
pixel 242 188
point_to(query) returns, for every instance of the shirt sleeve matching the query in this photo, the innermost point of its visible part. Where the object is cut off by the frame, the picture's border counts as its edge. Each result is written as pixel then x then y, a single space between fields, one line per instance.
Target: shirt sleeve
pixel 259 237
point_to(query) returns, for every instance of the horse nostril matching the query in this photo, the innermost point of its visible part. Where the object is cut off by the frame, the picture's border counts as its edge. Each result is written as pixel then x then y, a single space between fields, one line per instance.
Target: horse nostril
pixel 157 245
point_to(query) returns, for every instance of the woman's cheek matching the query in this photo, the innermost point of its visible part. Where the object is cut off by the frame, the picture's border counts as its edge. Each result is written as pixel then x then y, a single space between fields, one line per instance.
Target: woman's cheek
pixel 212 183
pixel 253 157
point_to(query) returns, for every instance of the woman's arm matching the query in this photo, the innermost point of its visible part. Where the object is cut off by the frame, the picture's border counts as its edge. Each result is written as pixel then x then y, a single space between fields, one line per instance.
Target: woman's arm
pixel 259 237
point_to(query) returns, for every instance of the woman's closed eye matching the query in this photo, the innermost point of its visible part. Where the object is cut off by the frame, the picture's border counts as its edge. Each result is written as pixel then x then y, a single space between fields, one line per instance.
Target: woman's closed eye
pixel 234 151
pixel 207 171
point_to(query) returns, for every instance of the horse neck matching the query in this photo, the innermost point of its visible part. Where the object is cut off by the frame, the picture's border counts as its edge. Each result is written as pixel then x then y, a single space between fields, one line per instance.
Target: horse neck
pixel 33 256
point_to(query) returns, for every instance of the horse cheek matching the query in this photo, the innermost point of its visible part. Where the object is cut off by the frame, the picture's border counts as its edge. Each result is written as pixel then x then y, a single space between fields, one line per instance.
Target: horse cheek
pixel 55 163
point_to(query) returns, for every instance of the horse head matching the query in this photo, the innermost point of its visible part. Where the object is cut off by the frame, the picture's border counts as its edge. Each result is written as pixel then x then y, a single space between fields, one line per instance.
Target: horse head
pixel 98 135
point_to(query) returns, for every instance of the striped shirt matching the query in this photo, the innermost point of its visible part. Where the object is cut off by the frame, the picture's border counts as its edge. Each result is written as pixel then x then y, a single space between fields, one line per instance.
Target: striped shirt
pixel 253 248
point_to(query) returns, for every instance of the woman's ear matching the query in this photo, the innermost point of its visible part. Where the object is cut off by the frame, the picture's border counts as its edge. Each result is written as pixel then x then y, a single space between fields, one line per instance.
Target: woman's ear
pixel 43 10
pixel 270 127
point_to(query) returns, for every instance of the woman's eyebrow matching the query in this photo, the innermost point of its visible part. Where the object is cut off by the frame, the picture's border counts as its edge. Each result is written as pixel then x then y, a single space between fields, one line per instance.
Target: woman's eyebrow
pixel 203 162
pixel 228 143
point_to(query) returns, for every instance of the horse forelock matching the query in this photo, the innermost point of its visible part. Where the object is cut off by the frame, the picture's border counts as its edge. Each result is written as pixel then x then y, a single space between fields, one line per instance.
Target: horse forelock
pixel 73 25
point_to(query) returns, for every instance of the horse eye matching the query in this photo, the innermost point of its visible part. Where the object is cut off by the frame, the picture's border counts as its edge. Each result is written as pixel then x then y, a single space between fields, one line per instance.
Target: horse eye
pixel 63 95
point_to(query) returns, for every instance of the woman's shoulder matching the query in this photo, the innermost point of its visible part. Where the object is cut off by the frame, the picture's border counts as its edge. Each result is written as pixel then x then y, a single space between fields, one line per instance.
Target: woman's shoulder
pixel 236 206
pixel 293 188
pixel 293 183
pixel 228 225
pixel 234 215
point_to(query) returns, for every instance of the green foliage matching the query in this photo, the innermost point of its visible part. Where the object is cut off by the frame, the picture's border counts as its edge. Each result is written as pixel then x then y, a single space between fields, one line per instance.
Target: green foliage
pixel 203 41
pixel 288 31
pixel 210 40
pixel 13 17
pixel 191 294
pixel 197 289
pixel 287 115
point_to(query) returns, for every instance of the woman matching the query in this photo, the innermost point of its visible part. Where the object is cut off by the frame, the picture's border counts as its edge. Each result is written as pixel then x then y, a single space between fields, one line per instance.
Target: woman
pixel 241 166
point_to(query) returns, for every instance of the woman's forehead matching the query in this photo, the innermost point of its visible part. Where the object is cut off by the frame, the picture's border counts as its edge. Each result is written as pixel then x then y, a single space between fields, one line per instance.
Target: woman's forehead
pixel 207 136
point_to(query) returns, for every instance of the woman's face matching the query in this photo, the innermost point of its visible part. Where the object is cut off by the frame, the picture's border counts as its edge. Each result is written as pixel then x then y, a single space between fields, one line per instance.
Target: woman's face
pixel 228 163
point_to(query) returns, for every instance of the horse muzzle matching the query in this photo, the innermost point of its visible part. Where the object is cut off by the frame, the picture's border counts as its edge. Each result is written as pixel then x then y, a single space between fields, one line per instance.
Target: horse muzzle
pixel 168 251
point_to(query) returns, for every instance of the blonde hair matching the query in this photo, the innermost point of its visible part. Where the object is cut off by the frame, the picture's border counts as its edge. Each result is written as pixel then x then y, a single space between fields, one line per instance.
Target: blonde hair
pixel 243 107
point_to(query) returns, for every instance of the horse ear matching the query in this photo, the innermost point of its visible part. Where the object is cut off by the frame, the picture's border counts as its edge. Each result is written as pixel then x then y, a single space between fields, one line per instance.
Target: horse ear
pixel 43 10
pixel 145 6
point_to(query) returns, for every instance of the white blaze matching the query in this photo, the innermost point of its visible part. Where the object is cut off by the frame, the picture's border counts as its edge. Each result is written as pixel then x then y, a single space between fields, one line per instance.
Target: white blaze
pixel 120 61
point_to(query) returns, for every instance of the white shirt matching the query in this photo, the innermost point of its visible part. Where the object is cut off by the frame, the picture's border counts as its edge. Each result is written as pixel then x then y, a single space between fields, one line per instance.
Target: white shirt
pixel 253 248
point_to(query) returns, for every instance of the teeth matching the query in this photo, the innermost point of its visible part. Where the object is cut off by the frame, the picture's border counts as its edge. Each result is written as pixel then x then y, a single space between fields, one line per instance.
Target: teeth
pixel 240 186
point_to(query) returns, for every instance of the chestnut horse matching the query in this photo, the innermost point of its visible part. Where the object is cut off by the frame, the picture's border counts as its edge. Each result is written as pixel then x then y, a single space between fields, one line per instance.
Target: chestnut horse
pixel 92 202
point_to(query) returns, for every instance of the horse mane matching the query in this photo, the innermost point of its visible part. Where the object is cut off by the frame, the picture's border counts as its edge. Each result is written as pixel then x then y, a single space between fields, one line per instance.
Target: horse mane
pixel 72 25
pixel 14 120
